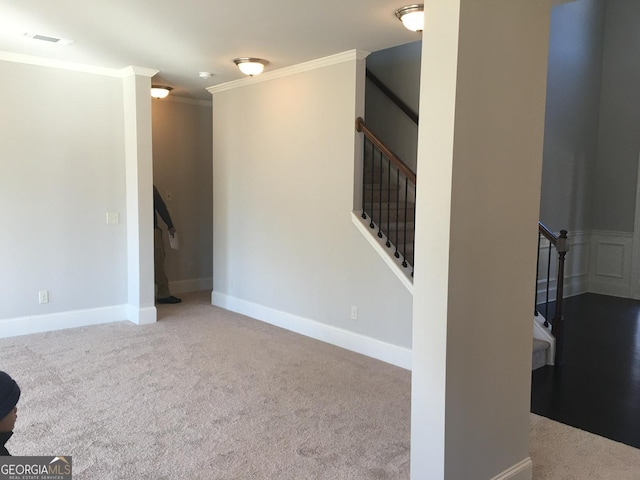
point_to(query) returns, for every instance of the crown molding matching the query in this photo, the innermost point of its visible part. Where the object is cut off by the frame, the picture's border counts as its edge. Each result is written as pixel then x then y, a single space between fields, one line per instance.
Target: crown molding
pixel 336 59
pixel 140 71
pixel 76 67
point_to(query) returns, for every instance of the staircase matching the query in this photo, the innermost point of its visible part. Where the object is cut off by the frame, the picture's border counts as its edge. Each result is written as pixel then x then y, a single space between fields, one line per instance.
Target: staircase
pixel 388 198
pixel 388 206
pixel 550 291
pixel 394 219
pixel 540 353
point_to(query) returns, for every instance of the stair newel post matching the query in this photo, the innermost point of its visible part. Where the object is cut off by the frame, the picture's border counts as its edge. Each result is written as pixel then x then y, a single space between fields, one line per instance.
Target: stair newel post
pixel 557 325
pixel 546 304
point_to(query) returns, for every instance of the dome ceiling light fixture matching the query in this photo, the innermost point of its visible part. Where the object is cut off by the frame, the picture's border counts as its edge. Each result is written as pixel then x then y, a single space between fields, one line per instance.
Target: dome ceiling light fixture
pixel 251 66
pixel 412 17
pixel 160 91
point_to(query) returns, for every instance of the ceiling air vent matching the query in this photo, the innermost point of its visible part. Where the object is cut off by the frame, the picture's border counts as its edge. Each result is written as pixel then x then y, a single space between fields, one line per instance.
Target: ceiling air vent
pixel 47 38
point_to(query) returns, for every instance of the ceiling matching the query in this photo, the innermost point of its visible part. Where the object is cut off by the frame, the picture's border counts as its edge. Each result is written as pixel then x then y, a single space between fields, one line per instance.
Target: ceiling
pixel 183 38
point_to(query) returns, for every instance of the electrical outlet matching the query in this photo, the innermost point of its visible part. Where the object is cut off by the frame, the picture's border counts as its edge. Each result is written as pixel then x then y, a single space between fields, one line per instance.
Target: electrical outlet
pixel 354 312
pixel 43 296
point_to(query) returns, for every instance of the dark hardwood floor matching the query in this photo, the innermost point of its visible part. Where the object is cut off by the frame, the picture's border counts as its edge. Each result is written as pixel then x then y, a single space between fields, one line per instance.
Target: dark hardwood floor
pixel 598 388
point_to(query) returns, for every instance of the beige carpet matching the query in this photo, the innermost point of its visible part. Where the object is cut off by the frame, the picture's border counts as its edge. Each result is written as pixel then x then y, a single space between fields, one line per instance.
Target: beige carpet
pixel 561 452
pixel 208 394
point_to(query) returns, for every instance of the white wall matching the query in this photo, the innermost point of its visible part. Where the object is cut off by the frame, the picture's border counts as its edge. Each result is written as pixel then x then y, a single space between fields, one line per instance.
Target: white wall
pixel 63 167
pixel 182 172
pixel 284 245
pixel 399 69
pixel 572 115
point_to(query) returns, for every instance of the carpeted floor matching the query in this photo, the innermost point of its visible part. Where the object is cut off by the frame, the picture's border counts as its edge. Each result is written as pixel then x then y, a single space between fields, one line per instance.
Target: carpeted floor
pixel 561 452
pixel 208 394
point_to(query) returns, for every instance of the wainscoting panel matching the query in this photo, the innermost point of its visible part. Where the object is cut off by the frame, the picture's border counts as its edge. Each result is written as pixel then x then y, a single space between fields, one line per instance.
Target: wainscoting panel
pixel 610 263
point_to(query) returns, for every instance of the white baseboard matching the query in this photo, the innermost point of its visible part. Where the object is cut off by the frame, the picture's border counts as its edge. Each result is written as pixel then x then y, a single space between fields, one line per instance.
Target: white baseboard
pixel 13 327
pixel 520 471
pixel 386 352
pixel 191 285
pixel 142 316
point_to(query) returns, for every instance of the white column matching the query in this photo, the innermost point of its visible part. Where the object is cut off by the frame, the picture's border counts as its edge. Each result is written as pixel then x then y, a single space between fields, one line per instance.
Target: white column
pixel 139 171
pixel 483 87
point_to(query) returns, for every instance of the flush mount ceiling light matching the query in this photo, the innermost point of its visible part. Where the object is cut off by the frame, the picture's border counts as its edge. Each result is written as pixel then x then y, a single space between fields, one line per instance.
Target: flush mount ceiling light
pixel 251 66
pixel 160 91
pixel 412 17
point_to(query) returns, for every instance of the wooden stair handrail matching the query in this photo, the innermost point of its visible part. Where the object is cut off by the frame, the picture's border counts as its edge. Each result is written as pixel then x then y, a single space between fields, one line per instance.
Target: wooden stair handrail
pixel 397 161
pixel 549 235
pixel 560 242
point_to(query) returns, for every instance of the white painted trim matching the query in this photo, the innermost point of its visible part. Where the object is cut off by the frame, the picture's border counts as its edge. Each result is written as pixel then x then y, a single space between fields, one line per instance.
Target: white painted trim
pixel 377 244
pixel 635 255
pixel 191 285
pixel 137 71
pixel 610 263
pixel 76 67
pixel 142 316
pixel 13 327
pixel 386 352
pixel 291 70
pixel 520 471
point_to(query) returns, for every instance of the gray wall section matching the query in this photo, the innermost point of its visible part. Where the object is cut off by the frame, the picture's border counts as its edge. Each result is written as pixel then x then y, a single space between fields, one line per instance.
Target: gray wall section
pixel 182 150
pixel 572 109
pixel 399 69
pixel 619 135
pixel 592 131
pixel 62 156
pixel 283 234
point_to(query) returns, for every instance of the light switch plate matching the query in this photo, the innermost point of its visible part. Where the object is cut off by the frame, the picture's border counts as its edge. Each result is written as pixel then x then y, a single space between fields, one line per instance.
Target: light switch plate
pixel 113 217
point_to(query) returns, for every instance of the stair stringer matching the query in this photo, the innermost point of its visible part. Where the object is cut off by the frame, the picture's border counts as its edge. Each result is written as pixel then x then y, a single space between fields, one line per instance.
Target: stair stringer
pixel 403 274
pixel 544 333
